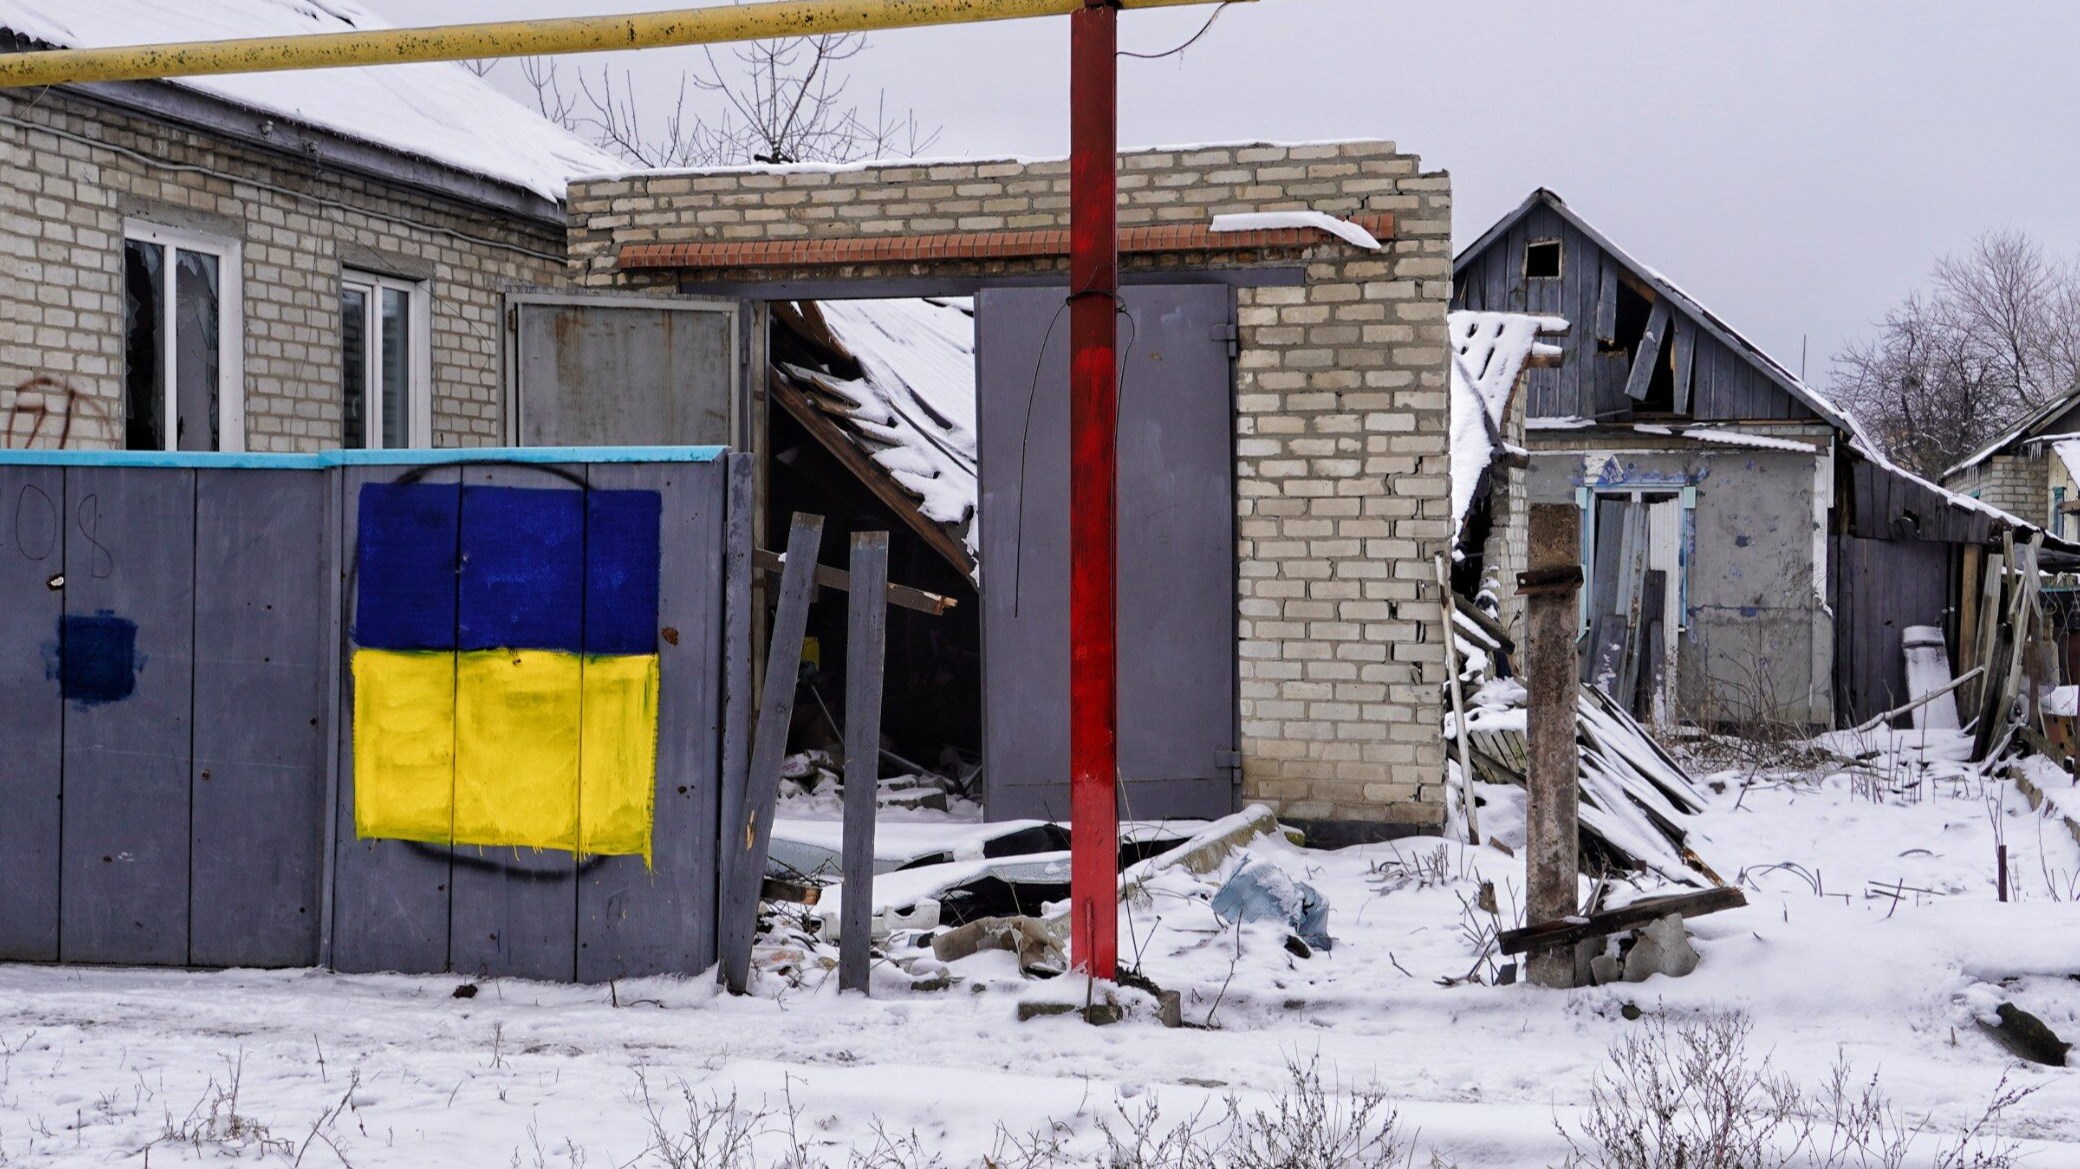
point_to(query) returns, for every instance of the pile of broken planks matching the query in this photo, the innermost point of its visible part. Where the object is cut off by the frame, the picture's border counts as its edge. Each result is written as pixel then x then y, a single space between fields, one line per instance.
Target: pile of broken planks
pixel 2004 634
pixel 1634 795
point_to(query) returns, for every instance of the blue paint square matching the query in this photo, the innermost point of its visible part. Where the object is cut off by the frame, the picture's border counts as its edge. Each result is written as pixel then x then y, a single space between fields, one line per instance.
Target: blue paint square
pixel 405 566
pixel 523 566
pixel 621 568
pixel 97 658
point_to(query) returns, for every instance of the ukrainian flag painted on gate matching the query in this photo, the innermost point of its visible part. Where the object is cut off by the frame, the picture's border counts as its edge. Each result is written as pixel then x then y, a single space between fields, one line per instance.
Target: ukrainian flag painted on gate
pixel 505 667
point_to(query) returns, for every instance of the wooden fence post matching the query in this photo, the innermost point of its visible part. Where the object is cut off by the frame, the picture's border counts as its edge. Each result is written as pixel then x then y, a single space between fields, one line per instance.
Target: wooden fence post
pixel 1552 806
pixel 865 641
pixel 750 837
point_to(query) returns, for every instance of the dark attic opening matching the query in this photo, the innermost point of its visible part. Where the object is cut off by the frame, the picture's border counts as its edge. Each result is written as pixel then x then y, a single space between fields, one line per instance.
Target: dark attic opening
pixel 870 423
pixel 1542 259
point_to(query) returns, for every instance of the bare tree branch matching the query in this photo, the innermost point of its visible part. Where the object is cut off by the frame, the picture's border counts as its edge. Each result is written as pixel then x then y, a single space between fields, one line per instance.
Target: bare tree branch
pixel 1996 337
pixel 778 101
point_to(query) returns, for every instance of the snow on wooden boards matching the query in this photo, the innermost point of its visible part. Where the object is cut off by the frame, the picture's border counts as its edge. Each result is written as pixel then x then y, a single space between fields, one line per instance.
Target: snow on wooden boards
pixel 1635 797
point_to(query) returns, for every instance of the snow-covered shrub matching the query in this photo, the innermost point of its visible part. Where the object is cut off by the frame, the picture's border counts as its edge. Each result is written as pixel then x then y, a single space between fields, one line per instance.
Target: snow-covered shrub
pixel 1307 1126
pixel 1689 1095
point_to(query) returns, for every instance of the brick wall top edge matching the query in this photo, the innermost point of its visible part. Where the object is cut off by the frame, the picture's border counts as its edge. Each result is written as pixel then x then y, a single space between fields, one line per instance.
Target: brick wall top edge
pixel 921 168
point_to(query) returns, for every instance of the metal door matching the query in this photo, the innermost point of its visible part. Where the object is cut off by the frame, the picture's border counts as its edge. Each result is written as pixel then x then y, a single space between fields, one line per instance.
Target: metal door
pixel 612 370
pixel 1178 714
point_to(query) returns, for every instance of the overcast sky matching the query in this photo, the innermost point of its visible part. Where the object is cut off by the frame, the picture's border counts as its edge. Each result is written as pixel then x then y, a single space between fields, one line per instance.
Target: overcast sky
pixel 1797 165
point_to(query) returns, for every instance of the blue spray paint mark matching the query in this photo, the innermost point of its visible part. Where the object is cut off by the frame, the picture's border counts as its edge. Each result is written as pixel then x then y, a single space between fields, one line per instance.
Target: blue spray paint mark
pixel 95 659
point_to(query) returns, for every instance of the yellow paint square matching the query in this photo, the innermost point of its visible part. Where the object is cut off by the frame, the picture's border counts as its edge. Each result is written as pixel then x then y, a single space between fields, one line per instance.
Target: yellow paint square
pixel 516 748
pixel 404 744
pixel 617 792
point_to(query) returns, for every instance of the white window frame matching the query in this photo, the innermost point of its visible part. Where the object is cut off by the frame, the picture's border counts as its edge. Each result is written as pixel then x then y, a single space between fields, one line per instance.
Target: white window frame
pixel 419 394
pixel 231 329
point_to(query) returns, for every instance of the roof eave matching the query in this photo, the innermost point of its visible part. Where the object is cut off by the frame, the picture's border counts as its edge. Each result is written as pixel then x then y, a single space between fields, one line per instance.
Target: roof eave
pixel 280 134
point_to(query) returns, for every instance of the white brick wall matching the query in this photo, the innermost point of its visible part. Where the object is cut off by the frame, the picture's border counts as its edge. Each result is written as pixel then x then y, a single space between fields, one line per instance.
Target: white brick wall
pixel 62 206
pixel 1340 427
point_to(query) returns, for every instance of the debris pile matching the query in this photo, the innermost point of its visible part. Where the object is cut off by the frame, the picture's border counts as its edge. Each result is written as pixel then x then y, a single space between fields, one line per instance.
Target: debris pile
pixel 1635 796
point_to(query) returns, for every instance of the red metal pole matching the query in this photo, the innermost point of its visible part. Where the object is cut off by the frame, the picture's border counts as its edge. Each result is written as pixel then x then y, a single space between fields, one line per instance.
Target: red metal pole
pixel 1093 488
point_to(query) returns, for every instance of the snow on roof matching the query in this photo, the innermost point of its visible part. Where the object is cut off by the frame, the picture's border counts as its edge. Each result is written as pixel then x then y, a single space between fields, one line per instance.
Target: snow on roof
pixel 2068 452
pixel 2025 428
pixel 1342 229
pixel 1489 351
pixel 913 408
pixel 437 111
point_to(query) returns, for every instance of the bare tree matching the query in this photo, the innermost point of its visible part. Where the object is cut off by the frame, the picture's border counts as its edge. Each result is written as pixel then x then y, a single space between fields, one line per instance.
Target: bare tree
pixel 1996 336
pixel 773 101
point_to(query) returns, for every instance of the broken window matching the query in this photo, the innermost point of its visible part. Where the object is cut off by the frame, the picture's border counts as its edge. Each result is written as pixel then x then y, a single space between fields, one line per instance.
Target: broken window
pixel 181 339
pixel 1542 259
pixel 384 363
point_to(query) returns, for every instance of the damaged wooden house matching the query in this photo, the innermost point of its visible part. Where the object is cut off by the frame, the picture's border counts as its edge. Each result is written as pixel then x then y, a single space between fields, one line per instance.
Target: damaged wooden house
pixel 1750 557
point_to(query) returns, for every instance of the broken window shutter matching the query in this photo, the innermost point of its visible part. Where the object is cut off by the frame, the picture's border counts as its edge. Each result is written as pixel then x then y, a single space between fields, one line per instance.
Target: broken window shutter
pixel 1648 355
pixel 1607 304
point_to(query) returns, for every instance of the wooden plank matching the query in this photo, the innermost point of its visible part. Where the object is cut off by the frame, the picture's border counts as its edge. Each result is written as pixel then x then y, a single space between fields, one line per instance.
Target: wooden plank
pixel 389 897
pixel 261 687
pixel 1607 301
pixel 514 912
pixel 903 596
pixel 768 749
pixel 1686 361
pixel 1648 355
pixel 32 552
pixel 866 643
pixel 739 539
pixel 1549 935
pixel 126 670
pixel 635 919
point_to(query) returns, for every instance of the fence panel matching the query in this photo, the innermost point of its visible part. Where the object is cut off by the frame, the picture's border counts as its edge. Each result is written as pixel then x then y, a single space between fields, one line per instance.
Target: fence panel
pixel 261 688
pixel 390 896
pixel 32 552
pixel 126 675
pixel 636 917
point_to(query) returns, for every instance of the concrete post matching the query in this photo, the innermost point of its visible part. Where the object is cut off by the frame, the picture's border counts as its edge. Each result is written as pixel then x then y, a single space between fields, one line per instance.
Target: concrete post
pixel 1550 588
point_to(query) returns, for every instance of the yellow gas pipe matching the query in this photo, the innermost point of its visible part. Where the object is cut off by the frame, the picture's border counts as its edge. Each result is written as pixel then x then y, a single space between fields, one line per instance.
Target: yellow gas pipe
pixel 521 38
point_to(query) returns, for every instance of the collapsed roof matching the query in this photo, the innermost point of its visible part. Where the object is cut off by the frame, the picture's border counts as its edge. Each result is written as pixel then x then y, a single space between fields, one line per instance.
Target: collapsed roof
pixel 1489 352
pixel 888 387
pixel 437 111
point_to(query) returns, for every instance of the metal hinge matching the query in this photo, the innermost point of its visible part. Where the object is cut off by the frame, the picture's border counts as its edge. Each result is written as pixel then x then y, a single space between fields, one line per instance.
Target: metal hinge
pixel 1230 334
pixel 1230 762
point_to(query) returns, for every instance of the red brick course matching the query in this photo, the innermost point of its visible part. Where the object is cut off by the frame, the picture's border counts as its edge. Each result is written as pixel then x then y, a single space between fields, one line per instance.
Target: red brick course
pixel 972 245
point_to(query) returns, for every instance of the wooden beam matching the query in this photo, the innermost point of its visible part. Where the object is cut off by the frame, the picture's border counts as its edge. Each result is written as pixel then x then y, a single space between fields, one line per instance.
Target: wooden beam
pixel 1552 778
pixel 1686 362
pixel 1607 302
pixel 748 839
pixel 1648 355
pixel 866 641
pixel 877 479
pixel 901 596
pixel 1551 936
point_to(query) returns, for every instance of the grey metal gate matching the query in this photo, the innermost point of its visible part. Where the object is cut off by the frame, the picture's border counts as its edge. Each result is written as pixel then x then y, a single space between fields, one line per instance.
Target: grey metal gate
pixel 610 369
pixel 1178 710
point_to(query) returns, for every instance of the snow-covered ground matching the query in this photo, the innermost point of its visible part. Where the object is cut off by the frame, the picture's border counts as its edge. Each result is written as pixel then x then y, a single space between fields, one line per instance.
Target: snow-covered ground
pixel 1873 936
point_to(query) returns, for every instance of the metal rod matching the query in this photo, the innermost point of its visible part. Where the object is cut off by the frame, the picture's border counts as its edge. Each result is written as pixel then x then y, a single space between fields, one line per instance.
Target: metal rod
pixel 520 38
pixel 1093 489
